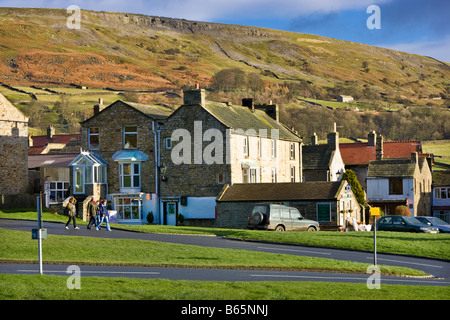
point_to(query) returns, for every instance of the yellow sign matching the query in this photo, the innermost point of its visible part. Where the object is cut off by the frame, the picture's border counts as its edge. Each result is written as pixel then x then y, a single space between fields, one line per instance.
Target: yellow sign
pixel 374 211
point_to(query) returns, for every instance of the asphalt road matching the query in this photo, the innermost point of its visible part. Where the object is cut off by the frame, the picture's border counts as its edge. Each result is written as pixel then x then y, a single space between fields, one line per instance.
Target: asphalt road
pixel 439 269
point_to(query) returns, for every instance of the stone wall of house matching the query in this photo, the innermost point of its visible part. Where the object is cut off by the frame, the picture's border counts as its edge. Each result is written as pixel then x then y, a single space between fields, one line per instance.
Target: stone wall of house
pixel 260 154
pixel 13 149
pixel 111 141
pixel 194 178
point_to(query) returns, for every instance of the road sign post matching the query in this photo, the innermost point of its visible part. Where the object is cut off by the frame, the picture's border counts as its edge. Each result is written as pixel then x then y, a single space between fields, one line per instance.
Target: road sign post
pixel 375 211
pixel 39 233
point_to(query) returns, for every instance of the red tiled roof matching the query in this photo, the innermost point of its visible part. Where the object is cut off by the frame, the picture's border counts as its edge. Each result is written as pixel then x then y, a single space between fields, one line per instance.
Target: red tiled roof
pixel 41 141
pixel 361 153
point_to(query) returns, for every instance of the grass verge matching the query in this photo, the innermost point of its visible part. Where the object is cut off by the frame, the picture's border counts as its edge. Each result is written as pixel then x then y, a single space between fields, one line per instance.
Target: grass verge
pixel 415 244
pixel 36 287
pixel 18 246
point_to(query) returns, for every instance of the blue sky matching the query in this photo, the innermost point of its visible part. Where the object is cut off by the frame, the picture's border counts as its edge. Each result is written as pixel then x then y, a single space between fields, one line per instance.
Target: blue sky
pixel 415 26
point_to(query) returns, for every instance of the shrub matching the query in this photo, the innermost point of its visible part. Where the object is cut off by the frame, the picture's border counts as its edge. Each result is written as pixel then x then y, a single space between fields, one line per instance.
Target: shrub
pixel 402 211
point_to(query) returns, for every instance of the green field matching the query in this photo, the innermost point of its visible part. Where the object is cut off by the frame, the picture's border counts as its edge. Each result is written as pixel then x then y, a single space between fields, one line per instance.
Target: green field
pixel 441 151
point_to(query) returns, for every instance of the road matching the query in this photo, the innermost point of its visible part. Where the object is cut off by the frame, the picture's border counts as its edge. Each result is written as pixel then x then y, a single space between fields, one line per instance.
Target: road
pixel 439 269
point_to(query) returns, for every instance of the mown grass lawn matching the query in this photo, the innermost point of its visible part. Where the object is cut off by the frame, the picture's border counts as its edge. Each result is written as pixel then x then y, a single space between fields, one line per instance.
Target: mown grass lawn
pixel 18 246
pixel 415 244
pixel 36 287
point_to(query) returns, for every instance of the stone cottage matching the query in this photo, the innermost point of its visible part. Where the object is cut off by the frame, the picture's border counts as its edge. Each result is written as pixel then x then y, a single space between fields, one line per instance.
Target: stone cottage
pixel 323 162
pixel 401 181
pixel 13 153
pixel 209 144
pixel 120 161
pixel 332 204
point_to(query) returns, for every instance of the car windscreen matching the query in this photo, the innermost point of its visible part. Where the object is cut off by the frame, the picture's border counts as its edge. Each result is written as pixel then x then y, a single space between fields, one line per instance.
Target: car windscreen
pixel 411 220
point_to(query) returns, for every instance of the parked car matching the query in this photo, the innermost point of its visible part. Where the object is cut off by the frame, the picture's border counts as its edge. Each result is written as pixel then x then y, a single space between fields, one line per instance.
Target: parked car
pixel 280 218
pixel 435 222
pixel 403 224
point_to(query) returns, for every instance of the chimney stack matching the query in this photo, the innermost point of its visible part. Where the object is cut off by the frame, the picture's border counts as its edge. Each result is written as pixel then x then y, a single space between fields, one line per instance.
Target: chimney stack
pixel 98 107
pixel 195 96
pixel 314 140
pixel 372 139
pixel 414 157
pixel 248 102
pixel 379 150
pixel 50 132
pixel 333 139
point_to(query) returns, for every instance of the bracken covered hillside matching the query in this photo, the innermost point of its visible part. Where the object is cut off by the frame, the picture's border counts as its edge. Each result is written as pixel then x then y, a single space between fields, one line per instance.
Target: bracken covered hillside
pixel 143 52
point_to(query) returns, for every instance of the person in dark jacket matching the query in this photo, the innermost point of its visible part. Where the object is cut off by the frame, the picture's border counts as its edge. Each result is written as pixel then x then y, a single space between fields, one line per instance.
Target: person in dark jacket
pixel 104 215
pixel 92 209
pixel 71 211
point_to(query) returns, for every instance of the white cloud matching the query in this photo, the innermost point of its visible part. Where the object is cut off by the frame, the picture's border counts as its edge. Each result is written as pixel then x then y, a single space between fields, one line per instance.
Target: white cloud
pixel 438 49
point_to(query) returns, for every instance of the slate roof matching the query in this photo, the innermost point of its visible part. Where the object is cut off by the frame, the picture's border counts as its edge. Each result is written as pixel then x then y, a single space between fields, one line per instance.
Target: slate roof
pixel 316 157
pixel 151 111
pixel 317 190
pixel 386 168
pixel 50 160
pixel 241 117
pixel 361 154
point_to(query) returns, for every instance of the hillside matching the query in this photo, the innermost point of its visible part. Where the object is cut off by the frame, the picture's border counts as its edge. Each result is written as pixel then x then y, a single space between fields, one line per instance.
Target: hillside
pixel 137 52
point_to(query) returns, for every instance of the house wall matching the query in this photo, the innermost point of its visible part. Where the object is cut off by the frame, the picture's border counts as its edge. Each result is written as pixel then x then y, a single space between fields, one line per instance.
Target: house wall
pixel 282 162
pixel 378 190
pixel 111 141
pixel 13 149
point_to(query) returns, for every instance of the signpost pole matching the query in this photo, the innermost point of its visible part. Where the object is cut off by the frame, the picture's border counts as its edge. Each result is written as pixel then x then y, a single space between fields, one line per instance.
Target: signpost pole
pixel 375 211
pixel 39 235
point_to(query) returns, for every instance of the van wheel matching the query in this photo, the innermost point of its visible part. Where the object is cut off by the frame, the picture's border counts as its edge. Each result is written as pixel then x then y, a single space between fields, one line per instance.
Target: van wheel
pixel 311 229
pixel 279 228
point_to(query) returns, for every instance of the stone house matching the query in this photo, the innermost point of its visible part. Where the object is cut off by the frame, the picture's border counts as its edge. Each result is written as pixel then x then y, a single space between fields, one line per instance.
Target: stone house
pixel 344 98
pixel 50 174
pixel 440 205
pixel 209 144
pixel 356 156
pixel 332 204
pixel 120 161
pixel 13 153
pixel 323 162
pixel 401 181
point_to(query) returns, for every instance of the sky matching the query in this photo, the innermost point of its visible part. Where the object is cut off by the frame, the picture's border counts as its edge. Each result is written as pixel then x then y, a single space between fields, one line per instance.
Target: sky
pixel 414 26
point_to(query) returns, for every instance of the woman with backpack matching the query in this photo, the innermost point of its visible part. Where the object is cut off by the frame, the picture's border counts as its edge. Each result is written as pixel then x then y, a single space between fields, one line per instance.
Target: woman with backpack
pixel 71 211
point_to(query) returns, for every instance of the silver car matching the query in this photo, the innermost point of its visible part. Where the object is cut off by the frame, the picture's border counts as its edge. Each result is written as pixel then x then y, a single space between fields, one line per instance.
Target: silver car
pixel 443 226
pixel 280 218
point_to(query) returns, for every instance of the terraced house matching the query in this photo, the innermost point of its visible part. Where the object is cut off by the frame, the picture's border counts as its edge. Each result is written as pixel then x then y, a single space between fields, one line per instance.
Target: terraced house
pixel 145 159
pixel 119 161
pixel 208 145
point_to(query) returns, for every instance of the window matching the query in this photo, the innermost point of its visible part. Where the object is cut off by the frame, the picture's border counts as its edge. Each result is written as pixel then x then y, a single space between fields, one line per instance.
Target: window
pixel 128 208
pixel 395 186
pixel 260 150
pixel 274 175
pixel 274 148
pixel 130 137
pixel 130 176
pixel 292 151
pixel 220 179
pixel 168 143
pixel 292 174
pixel 249 175
pixel 56 191
pixel 246 153
pixel 93 138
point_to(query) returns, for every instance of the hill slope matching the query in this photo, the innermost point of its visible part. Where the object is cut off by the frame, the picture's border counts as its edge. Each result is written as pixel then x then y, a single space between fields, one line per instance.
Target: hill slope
pixel 144 52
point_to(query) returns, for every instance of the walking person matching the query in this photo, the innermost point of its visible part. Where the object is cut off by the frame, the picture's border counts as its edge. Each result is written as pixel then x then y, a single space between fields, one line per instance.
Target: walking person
pixel 104 215
pixel 71 211
pixel 92 209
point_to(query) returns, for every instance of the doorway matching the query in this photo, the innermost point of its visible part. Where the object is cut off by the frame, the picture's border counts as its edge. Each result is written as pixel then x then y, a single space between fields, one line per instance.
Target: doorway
pixel 170 212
